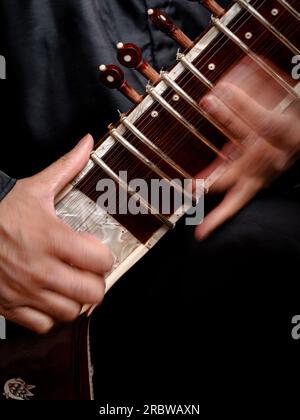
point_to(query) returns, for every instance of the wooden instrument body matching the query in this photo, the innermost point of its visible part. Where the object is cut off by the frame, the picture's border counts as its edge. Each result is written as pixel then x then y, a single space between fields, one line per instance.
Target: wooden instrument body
pixel 57 366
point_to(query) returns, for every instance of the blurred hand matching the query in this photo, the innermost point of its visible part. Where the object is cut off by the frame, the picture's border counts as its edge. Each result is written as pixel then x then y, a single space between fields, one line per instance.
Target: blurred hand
pixel 271 144
pixel 47 270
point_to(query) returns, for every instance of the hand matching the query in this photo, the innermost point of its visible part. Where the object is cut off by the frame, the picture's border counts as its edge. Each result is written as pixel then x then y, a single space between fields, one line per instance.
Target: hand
pixel 271 145
pixel 47 270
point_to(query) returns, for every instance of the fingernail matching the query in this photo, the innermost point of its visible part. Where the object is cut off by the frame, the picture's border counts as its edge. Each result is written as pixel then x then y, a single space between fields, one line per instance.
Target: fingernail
pixel 210 104
pixel 87 136
pixel 84 139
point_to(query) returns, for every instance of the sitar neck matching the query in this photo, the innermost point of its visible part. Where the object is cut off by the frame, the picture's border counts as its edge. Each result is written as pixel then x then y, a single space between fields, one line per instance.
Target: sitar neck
pixel 168 135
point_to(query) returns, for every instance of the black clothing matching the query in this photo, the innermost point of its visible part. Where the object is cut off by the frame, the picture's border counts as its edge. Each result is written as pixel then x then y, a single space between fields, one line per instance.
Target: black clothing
pixel 52 96
pixel 210 321
pixel 6 184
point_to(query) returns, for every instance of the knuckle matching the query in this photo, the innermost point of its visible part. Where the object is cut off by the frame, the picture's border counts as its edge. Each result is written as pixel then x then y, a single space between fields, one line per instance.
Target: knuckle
pixel 9 299
pixel 76 284
pixel 54 242
pixel 83 287
pixel 65 158
pixel 46 276
pixel 267 125
pixel 26 185
pixel 227 121
pixel 37 280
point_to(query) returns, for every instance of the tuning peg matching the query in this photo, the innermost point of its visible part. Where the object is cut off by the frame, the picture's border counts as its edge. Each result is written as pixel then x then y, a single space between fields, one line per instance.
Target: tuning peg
pixel 113 77
pixel 130 56
pixel 165 24
pixel 212 6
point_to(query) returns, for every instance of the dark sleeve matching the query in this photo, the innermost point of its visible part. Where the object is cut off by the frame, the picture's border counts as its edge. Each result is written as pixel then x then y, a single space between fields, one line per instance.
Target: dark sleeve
pixel 6 184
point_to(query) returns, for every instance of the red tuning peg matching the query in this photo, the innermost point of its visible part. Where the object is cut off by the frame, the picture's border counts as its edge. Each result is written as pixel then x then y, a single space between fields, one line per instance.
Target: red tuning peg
pixel 165 24
pixel 130 56
pixel 113 77
pixel 212 6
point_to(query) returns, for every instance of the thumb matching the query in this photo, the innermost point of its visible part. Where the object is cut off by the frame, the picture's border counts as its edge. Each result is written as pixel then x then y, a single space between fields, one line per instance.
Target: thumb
pixel 61 172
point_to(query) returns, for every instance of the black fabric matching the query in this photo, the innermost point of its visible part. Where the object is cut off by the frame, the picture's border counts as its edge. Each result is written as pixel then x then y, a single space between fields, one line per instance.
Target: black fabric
pixel 53 48
pixel 207 322
pixel 6 184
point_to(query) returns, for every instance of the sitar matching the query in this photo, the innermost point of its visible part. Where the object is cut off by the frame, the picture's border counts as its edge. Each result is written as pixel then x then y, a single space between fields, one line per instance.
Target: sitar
pixel 166 135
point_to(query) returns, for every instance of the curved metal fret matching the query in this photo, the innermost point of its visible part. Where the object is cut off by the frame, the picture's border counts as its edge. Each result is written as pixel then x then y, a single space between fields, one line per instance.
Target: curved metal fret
pixel 151 91
pixel 140 156
pixel 134 130
pixel 289 8
pixel 195 105
pixel 98 161
pixel 189 66
pixel 226 31
pixel 268 25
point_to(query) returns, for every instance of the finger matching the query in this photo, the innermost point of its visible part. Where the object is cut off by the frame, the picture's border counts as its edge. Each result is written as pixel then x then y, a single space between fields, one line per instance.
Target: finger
pixel 60 173
pixel 248 76
pixel 81 250
pixel 235 127
pixel 30 318
pixel 227 150
pixel 55 305
pixel 78 285
pixel 265 123
pixel 234 172
pixel 226 180
pixel 234 200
